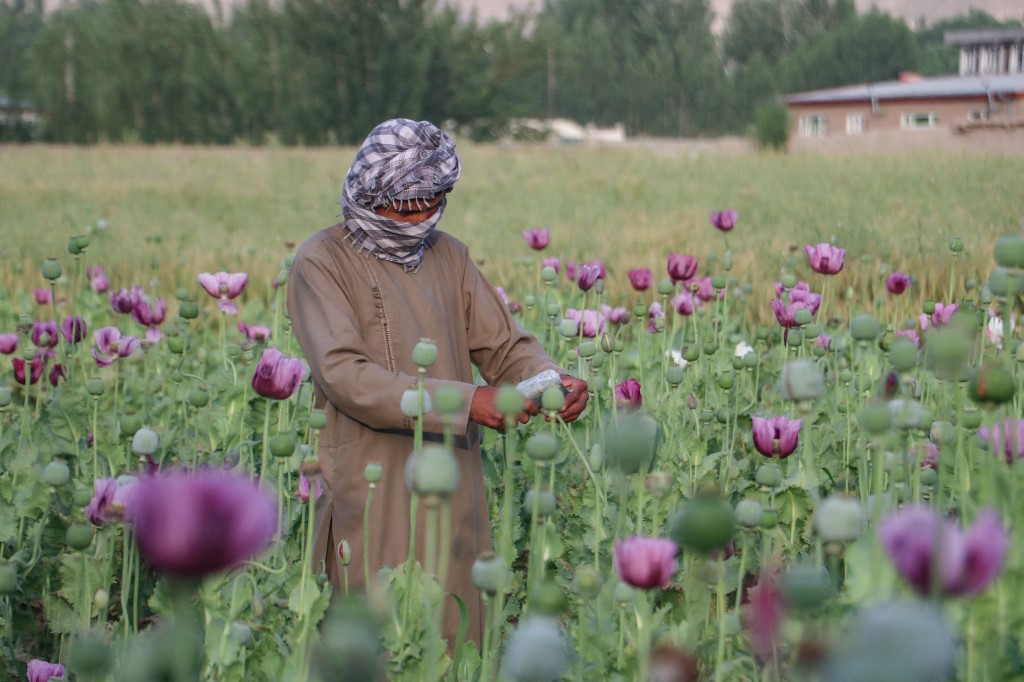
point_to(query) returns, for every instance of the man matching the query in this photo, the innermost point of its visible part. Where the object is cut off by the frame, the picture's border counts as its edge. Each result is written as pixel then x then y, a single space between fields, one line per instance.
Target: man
pixel 361 295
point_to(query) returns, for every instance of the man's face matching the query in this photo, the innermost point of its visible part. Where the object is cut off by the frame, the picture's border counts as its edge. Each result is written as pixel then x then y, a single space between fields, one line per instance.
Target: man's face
pixel 414 215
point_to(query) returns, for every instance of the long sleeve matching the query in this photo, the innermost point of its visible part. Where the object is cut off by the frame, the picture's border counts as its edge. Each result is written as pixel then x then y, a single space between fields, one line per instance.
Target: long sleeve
pixel 328 330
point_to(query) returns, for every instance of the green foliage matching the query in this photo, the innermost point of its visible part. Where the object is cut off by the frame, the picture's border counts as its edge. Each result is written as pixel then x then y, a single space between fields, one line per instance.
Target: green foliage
pixel 771 126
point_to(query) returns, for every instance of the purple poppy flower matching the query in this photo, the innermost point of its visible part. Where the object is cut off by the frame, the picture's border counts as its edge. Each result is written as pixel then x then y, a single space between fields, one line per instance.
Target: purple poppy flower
pixel 256 333
pixel 786 314
pixel 931 456
pixel 224 286
pixel 44 671
pixel 654 313
pixel 112 500
pixel 97 279
pixel 1005 437
pixel 190 524
pixel 277 377
pixel 897 283
pixel 593 322
pixel 56 374
pixel 588 276
pixel 30 372
pixel 43 296
pixel 823 340
pixel 125 300
pixel 917 541
pixel 617 315
pixel 645 562
pixel 305 488
pixel 73 329
pixel 537 238
pixel 44 334
pixel 8 343
pixel 681 268
pixel 909 334
pixel 150 316
pixel 628 395
pixel 570 271
pixel 801 293
pixel 703 289
pixel 684 303
pixel 724 220
pixel 110 345
pixel 765 614
pixel 641 279
pixel 776 437
pixel 825 258
pixel 552 262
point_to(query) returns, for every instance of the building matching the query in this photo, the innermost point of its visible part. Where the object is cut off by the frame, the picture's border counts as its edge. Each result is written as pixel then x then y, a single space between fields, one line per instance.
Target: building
pixel 19 121
pixel 981 107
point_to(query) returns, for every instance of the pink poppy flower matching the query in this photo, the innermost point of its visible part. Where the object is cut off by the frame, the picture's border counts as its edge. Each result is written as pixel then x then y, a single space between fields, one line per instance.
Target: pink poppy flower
pixel 681 268
pixel 44 334
pixel 909 334
pixel 765 614
pixel 537 238
pixel 553 262
pixel 224 286
pixel 654 313
pixel 967 562
pixel 150 316
pixel 44 671
pixel 110 345
pixel 684 303
pixel 641 279
pixel 617 315
pixel 628 395
pixel 942 315
pixel 256 333
pixel 8 343
pixel 776 437
pixel 588 276
pixel 593 322
pixel 1005 437
pixel 190 524
pixel 97 279
pixel 823 340
pixel 897 283
pixel 645 563
pixel 724 220
pixel 305 488
pixel 111 500
pixel 931 456
pixel 704 290
pixel 43 296
pixel 825 258
pixel 30 372
pixel 570 271
pixel 73 329
pixel 277 377
pixel 56 374
pixel 125 300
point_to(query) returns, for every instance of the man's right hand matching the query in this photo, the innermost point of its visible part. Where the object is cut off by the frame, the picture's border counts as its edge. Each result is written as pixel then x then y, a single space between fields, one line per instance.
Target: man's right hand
pixel 483 409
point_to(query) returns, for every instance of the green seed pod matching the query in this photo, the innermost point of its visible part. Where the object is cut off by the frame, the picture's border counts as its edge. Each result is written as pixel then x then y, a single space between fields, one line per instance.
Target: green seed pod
pixel 864 327
pixel 794 337
pixel 548 274
pixel 875 418
pixel 373 472
pixel 658 483
pixel 433 472
pixel 761 333
pixel 552 398
pixel 101 599
pixel 750 360
pixel 991 383
pixel 769 519
pixel 726 263
pixel 768 475
pixel 410 402
pixel 607 343
pixel 317 419
pixel 188 310
pixel 788 280
pixel 51 269
pixel 631 441
pixel 587 582
pixel 596 457
pixel 802 316
pixel 529 301
pixel 725 380
pixel 801 380
pixel 956 244
pixel 812 331
pixel 73 248
pixel 709 348
pixel 665 287
pixel 691 353
pixel 971 419
pixel 282 445
pixel 703 524
pixel 509 401
pixel 553 310
pixel 624 593
pixel 1009 251
pixel 145 442
pixel 568 328
pixel 748 513
pixel 5 396
pixel 81 497
pixel 839 519
pixel 929 477
pixel 1004 282
pixel 424 353
pixel 542 447
pixel 489 573
pixel 806 587
pixel 674 375
pixel 941 432
pixel 545 500
pixel 345 553
pixel 587 349
pixel 181 294
pixel 722 415
pixel 78 536
pixel 903 354
pixel 56 473
pixel 448 400
pixel 846 376
pixel 718 281
pixel 547 597
pixel 928 307
pixel 862 383
pixel 95 387
pixel 730 624
pixel 198 397
pixel 597 361
pixel 8 578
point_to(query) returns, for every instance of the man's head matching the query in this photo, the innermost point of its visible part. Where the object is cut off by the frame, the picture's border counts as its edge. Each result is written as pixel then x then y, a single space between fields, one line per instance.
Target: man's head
pixel 395 191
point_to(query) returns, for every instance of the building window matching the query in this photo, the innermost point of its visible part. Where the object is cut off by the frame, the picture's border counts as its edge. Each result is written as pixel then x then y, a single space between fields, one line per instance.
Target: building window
pixel 855 124
pixel 812 125
pixel 980 115
pixel 915 121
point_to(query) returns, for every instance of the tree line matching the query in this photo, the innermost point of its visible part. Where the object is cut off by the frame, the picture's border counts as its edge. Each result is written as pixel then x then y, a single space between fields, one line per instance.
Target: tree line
pixel 317 72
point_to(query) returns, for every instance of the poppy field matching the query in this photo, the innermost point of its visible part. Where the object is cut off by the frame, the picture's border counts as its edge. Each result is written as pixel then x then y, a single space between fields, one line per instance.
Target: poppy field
pixel 801 459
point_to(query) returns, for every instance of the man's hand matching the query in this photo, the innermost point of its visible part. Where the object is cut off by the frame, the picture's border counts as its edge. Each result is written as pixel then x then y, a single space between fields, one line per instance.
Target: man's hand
pixel 483 409
pixel 575 400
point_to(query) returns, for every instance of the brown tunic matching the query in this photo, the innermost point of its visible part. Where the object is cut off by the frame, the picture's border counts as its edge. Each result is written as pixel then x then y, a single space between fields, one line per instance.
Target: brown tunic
pixel 357 319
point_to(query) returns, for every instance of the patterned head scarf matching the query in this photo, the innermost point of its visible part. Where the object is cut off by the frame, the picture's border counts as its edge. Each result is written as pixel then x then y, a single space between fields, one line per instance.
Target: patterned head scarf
pixel 403 164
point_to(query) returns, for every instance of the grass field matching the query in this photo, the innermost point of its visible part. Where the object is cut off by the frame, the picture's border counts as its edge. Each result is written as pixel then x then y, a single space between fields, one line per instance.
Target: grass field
pixel 175 211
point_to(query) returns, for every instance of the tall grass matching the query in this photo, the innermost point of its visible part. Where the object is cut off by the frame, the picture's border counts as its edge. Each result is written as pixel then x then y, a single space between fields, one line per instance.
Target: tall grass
pixel 175 211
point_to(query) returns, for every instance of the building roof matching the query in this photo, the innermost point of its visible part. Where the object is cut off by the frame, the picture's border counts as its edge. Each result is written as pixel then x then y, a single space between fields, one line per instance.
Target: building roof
pixel 943 87
pixel 983 36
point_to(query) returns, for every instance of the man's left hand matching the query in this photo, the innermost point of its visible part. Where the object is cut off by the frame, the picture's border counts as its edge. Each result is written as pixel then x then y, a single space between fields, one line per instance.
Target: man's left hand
pixel 575 400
